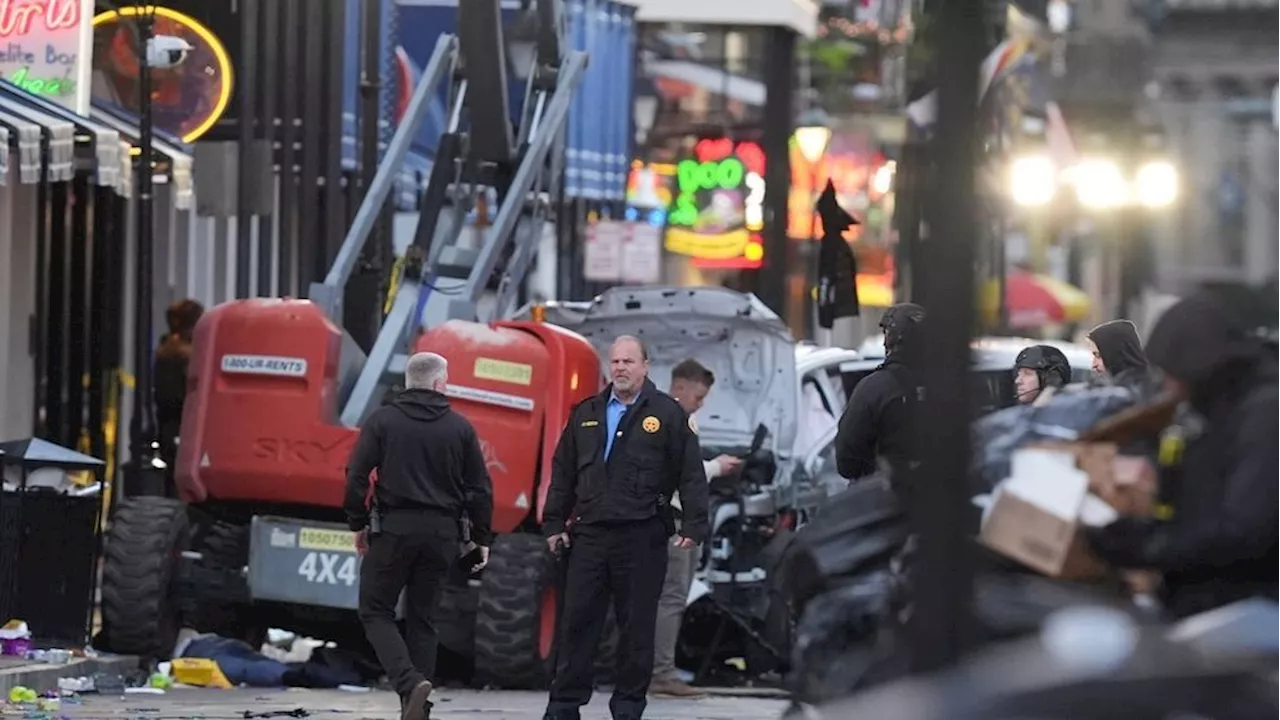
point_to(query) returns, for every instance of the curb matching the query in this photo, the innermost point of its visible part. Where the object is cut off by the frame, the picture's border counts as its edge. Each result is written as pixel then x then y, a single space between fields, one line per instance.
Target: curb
pixel 42 677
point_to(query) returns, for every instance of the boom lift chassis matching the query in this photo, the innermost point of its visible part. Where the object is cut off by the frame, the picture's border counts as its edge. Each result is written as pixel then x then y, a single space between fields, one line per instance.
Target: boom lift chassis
pixel 476 154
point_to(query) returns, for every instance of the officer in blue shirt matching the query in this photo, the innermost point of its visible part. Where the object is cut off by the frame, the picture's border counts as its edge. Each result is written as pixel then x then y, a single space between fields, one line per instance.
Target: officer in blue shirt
pixel 624 453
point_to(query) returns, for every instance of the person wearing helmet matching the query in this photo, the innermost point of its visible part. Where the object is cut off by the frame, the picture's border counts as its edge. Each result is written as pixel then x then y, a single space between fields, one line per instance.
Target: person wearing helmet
pixel 876 422
pixel 1037 368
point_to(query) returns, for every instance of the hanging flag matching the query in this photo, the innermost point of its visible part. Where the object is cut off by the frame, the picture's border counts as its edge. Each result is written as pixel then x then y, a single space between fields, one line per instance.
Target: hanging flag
pixel 999 63
pixel 837 266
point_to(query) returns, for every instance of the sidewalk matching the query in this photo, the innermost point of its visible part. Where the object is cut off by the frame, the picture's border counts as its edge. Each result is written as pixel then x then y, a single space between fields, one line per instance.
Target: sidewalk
pixel 40 677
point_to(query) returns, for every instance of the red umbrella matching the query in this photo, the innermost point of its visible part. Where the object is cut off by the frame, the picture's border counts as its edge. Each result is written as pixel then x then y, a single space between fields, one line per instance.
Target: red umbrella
pixel 1032 300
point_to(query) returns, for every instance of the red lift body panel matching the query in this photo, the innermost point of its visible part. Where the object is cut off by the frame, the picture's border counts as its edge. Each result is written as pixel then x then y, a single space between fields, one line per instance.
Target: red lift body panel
pixel 260 420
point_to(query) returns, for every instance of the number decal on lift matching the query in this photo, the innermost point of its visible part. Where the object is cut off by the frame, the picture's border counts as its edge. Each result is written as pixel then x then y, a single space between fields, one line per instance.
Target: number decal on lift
pixel 328 568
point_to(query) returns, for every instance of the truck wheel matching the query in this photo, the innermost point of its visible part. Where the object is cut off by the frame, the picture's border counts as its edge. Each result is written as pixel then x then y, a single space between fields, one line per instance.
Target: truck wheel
pixel 516 614
pixel 139 608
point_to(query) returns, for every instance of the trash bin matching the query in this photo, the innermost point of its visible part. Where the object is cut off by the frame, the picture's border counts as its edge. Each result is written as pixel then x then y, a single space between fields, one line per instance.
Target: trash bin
pixel 49 540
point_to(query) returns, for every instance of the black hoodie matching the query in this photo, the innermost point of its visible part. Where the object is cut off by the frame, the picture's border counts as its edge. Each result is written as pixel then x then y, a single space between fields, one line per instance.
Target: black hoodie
pixel 1220 545
pixel 431 471
pixel 1119 345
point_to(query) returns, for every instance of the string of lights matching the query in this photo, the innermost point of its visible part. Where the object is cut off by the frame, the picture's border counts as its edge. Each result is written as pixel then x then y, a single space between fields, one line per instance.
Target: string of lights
pixel 841 27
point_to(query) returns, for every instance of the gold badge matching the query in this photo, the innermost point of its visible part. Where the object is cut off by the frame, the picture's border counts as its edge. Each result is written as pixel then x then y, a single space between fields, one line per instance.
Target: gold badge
pixel 651 424
pixel 693 425
pixel 590 423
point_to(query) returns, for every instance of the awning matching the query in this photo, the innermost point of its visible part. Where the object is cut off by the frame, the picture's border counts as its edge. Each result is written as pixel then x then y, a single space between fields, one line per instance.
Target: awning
pixel 168 145
pixel 25 138
pixel 60 164
pixel 713 80
pixel 1032 300
pixel 106 141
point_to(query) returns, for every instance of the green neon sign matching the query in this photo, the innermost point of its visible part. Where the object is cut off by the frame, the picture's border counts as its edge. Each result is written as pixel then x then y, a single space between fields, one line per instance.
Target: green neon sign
pixel 695 177
pixel 52 86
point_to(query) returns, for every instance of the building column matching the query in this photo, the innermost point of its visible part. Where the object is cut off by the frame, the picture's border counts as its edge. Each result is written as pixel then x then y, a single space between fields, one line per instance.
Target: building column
pixel 779 121
pixel 1203 147
pixel 1260 248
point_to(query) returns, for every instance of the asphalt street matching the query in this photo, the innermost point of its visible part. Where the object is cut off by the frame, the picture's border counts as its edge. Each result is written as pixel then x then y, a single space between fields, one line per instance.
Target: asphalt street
pixel 200 704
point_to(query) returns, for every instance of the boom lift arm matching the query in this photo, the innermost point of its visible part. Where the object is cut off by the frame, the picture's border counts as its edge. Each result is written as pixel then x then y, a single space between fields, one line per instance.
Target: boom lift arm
pixel 475 156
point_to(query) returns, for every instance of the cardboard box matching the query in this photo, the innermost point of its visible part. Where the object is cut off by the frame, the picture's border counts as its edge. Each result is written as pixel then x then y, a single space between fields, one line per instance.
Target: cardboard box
pixel 1126 483
pixel 1035 517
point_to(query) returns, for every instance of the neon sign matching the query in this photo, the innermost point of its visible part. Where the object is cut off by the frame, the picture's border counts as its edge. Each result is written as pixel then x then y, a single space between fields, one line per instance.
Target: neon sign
pixel 19 18
pixel 717 213
pixel 45 48
pixel 187 100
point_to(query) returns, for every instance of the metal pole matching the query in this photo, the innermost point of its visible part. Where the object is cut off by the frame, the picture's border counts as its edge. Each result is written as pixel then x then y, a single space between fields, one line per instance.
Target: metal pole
pixel 143 426
pixel 944 285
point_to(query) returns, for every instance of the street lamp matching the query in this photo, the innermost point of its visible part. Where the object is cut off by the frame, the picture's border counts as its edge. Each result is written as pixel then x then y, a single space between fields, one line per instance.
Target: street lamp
pixel 145 468
pixel 1033 180
pixel 1156 184
pixel 813 132
pixel 1100 185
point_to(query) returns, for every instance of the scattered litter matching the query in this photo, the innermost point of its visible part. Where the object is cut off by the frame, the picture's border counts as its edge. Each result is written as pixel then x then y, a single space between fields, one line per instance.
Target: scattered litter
pixel 296 713
pixel 15 638
pixel 50 657
pixel 144 691
pixel 76 684
pixel 22 694
pixel 354 688
pixel 108 684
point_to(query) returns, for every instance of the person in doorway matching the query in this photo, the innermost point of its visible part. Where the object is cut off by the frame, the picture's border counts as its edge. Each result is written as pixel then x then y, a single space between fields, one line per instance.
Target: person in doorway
pixel 690 383
pixel 621 458
pixel 1118 357
pixel 876 423
pixel 172 359
pixel 1037 369
pixel 1220 544
pixel 431 477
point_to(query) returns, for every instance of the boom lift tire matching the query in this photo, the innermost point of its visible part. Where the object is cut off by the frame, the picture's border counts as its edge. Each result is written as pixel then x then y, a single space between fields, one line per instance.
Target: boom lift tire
pixel 509 618
pixel 139 607
pixel 224 547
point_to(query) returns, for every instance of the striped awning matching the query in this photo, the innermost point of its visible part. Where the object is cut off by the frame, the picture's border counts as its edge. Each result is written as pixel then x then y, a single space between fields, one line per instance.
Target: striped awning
pixel 168 145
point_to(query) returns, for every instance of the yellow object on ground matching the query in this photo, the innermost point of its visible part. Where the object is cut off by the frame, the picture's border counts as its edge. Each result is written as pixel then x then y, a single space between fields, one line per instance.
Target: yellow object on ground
pixel 200 672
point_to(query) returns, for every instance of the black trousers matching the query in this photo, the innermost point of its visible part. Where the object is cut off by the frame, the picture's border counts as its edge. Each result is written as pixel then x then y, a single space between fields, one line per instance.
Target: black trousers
pixel 418 563
pixel 626 564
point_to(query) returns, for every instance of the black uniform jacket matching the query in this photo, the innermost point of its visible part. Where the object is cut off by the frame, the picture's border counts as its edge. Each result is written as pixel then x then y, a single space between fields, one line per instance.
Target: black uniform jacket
pixel 654 455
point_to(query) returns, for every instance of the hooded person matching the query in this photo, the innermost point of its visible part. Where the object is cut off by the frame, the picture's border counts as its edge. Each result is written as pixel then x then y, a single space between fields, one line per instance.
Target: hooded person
pixel 877 421
pixel 1220 544
pixel 1118 356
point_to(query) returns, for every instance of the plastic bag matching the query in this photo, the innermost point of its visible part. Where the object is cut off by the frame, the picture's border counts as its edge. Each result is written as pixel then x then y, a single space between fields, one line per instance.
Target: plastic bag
pixel 1064 417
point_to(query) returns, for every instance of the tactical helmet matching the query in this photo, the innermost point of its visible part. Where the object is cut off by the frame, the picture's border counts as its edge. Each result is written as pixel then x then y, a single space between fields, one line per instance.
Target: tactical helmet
pixel 1050 364
pixel 898 324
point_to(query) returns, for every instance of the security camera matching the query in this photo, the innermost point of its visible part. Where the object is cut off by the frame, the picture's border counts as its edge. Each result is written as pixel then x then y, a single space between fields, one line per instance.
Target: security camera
pixel 166 52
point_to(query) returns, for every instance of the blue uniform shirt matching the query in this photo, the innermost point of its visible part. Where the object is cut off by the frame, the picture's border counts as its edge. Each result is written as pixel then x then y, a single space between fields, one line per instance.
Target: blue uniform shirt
pixel 613 413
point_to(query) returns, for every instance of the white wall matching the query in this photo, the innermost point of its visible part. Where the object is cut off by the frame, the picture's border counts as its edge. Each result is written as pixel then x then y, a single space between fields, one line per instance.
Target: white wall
pixel 17 305
pixel 799 15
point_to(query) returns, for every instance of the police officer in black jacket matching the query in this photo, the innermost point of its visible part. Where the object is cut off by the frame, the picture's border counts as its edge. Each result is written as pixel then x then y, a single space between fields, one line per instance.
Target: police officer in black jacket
pixel 622 456
pixel 431 477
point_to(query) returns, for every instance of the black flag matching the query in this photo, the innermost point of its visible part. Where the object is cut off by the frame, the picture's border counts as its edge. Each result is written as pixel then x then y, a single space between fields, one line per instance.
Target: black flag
pixel 837 267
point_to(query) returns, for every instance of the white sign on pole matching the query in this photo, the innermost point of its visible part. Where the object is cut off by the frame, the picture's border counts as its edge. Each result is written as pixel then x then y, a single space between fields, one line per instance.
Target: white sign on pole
pixel 642 254
pixel 46 48
pixel 602 252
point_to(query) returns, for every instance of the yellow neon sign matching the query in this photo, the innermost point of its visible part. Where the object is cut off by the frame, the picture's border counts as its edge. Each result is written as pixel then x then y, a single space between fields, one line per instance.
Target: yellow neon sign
pixel 215 45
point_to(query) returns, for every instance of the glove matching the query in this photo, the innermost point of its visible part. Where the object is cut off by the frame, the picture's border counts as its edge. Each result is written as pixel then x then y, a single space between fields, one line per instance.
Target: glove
pixel 1130 542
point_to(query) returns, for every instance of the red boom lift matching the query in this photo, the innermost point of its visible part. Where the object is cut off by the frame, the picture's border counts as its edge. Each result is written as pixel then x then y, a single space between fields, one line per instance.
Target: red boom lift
pixel 277 391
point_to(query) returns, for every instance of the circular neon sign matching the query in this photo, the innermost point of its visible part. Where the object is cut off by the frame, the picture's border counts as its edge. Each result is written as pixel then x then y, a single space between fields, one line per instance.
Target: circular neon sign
pixel 186 100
